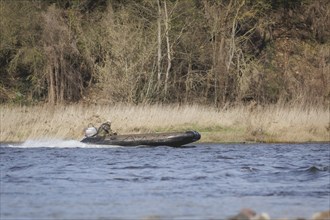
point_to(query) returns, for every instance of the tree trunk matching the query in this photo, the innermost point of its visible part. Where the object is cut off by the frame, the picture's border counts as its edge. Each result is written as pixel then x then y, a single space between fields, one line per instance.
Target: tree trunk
pixel 169 58
pixel 159 38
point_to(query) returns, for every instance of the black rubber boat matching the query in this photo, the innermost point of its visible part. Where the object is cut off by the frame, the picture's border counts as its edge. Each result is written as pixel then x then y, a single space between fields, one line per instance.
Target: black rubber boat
pixel 174 139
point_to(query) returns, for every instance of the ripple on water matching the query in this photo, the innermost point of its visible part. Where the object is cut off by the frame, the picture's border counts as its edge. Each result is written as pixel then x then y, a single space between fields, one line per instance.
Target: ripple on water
pixel 205 182
pixel 20 167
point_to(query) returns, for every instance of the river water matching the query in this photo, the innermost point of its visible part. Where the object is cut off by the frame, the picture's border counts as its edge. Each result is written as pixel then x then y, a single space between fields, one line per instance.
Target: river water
pixel 57 179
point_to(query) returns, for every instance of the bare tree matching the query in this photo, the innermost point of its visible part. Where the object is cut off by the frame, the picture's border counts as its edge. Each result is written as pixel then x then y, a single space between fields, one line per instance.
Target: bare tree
pixel 159 41
pixel 169 57
pixel 64 69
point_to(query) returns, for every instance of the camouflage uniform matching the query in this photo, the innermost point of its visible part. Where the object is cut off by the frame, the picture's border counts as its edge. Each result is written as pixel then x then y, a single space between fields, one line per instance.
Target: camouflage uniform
pixel 105 130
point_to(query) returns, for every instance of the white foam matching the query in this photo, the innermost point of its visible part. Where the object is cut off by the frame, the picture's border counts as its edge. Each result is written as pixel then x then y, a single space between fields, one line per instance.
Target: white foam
pixel 57 143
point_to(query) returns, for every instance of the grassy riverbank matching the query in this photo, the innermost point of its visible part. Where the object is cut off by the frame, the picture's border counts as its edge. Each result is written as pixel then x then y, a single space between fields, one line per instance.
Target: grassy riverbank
pixel 236 124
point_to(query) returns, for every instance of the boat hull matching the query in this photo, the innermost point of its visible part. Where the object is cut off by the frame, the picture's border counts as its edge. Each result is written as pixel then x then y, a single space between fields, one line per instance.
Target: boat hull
pixel 156 139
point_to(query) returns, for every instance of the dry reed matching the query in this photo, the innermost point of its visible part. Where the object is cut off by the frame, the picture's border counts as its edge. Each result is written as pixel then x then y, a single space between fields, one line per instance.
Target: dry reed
pixel 237 124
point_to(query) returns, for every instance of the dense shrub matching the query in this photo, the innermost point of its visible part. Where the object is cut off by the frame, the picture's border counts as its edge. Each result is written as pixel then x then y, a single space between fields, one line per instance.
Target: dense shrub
pixel 210 52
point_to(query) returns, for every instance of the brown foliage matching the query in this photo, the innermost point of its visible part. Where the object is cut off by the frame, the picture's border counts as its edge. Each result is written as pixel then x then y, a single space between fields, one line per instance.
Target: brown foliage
pixel 65 66
pixel 210 52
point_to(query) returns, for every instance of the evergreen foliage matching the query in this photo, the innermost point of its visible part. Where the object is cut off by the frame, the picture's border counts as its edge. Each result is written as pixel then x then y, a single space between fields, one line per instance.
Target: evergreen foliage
pixel 165 51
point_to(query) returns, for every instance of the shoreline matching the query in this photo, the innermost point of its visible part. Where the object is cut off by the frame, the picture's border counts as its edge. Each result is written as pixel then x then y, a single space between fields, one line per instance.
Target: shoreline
pixel 240 124
pixel 187 145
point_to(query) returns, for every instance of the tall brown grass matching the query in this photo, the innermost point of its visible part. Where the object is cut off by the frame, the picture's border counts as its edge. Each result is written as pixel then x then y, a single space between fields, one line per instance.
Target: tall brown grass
pixel 236 124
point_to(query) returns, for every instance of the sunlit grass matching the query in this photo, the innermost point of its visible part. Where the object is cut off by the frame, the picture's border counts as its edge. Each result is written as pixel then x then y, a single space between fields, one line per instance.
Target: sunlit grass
pixel 237 124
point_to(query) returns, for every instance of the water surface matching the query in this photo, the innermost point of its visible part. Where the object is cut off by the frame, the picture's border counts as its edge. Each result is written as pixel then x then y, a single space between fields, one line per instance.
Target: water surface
pixel 70 180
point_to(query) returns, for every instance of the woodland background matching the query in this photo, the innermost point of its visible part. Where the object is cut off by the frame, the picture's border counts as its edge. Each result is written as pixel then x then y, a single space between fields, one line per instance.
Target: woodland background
pixel 210 52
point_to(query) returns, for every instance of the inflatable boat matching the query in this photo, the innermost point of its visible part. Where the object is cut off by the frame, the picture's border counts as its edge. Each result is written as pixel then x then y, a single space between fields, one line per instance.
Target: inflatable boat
pixel 175 139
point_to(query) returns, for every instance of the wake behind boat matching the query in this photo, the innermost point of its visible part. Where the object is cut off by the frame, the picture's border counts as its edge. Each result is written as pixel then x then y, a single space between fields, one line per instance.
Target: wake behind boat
pixel 174 139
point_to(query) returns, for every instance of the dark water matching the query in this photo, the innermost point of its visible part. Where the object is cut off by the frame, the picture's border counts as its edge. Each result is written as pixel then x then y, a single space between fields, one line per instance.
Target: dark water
pixel 69 180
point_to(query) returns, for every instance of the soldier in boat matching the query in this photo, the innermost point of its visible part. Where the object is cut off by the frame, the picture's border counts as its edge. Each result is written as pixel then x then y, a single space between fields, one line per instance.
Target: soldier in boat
pixel 105 130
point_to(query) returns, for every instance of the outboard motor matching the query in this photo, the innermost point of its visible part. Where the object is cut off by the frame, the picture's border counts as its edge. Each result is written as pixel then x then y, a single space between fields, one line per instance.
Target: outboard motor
pixel 90 131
